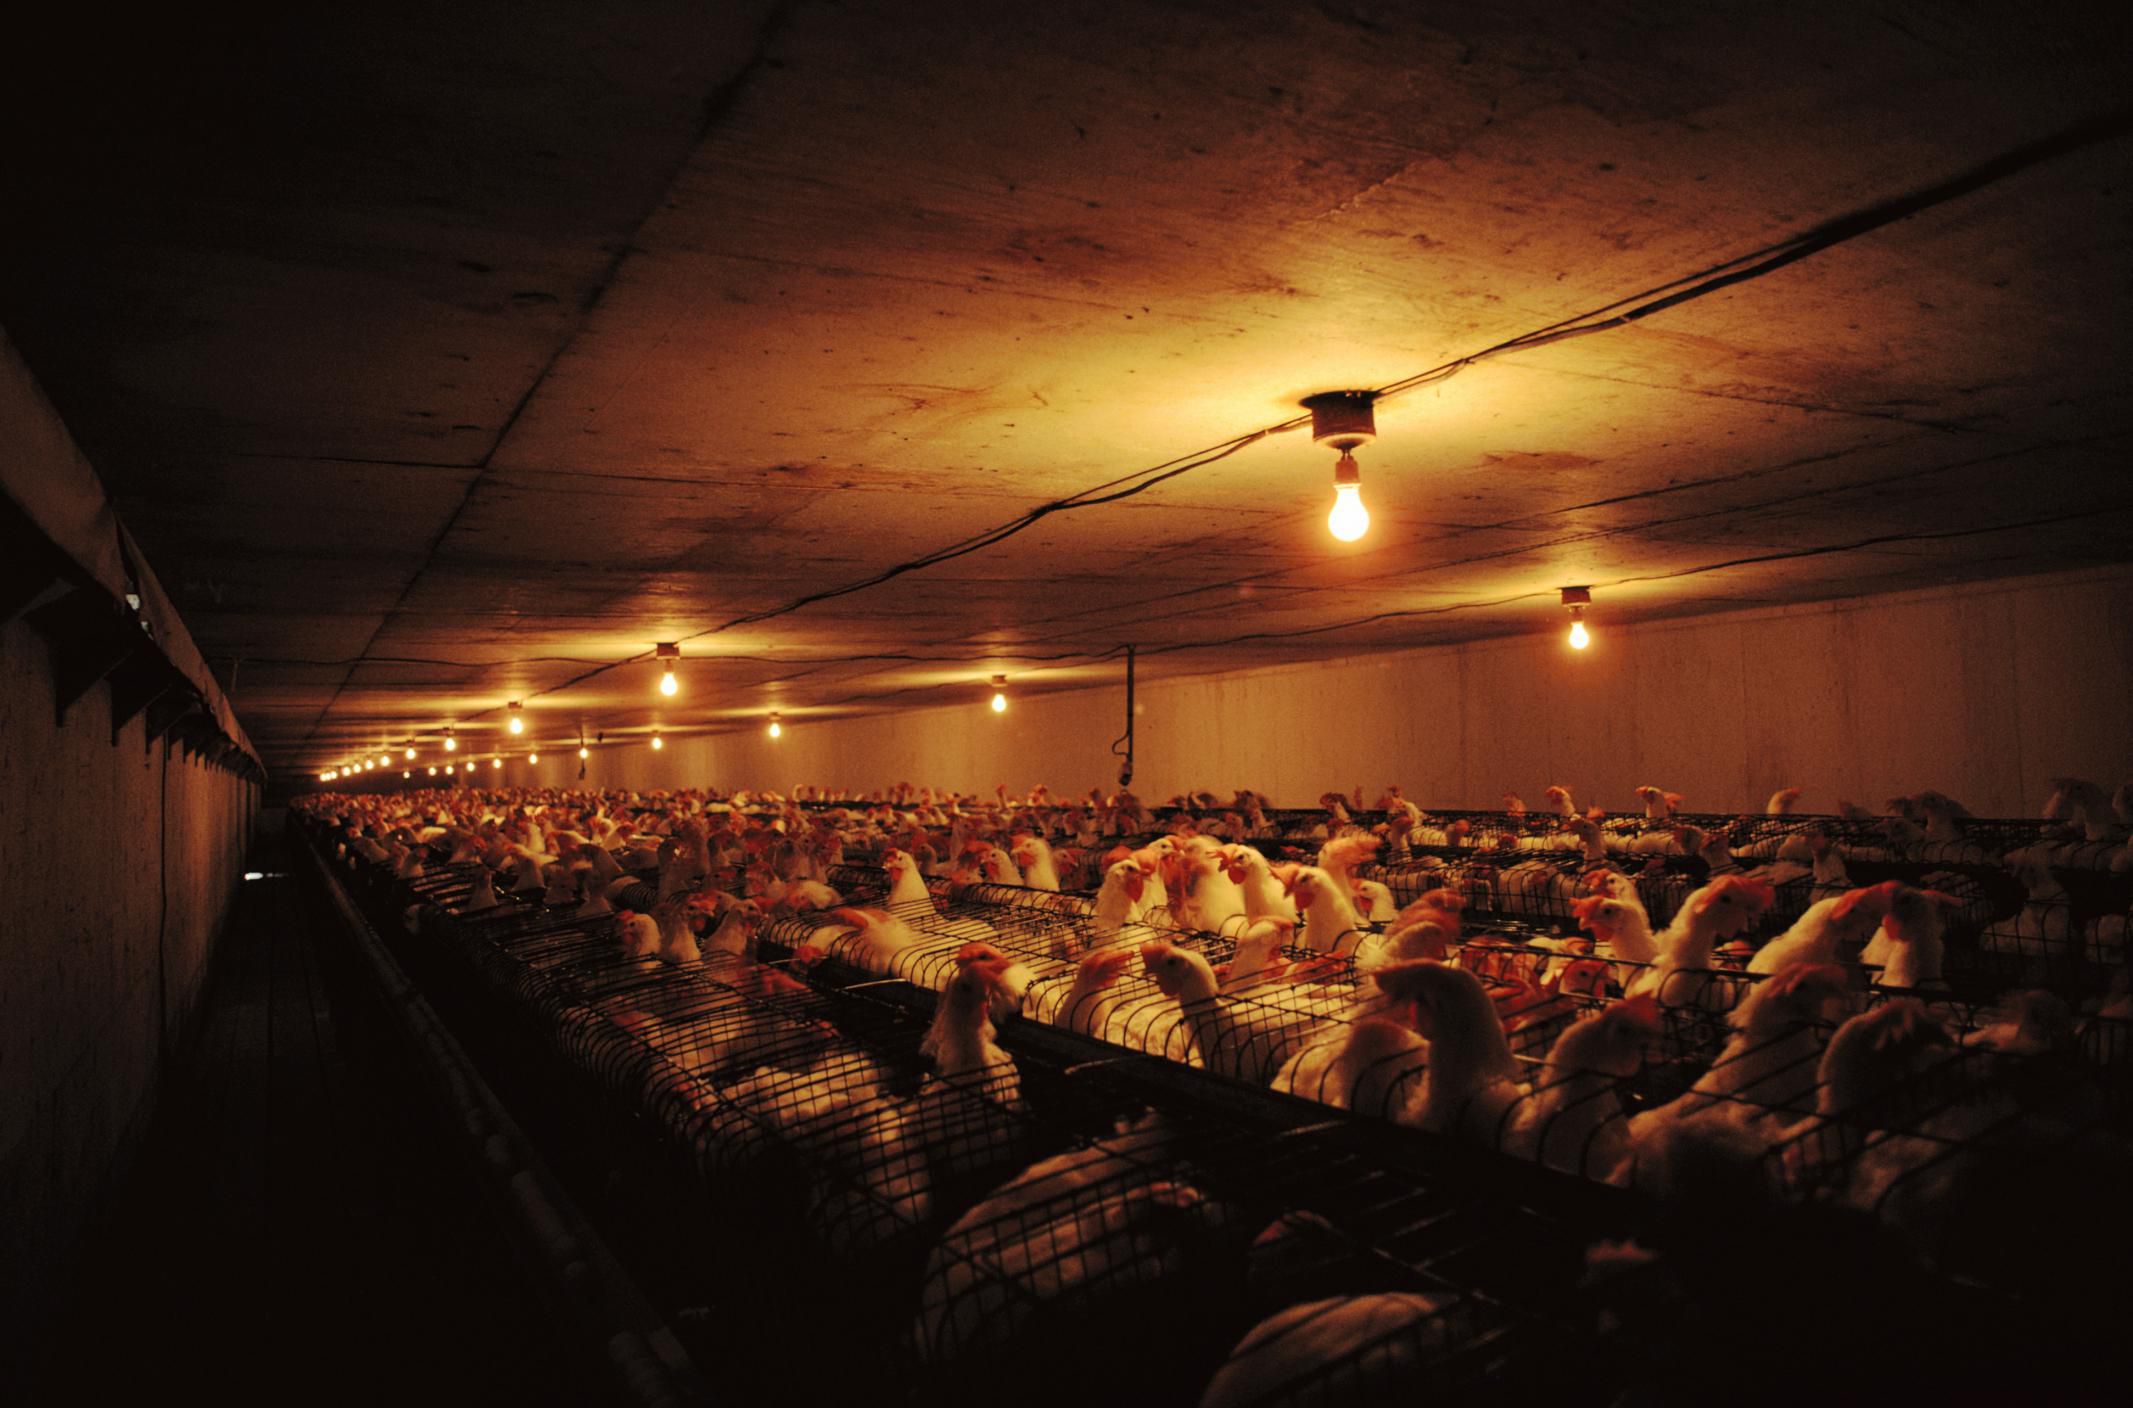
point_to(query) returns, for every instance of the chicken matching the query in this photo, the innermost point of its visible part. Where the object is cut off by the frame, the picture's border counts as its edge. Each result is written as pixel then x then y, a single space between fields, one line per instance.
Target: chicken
pixel 1264 895
pixel 639 934
pixel 1908 946
pixel 877 939
pixel 2043 927
pixel 1034 854
pixel 1119 901
pixel 1258 952
pixel 962 1113
pixel 1330 923
pixel 1244 1040
pixel 1659 805
pixel 1772 1059
pixel 1621 925
pixel 1816 935
pixel 1679 977
pixel 1087 1004
pixel 1206 898
pixel 1376 1348
pixel 1373 1065
pixel 1065 1232
pixel 1573 1121
pixel 1559 798
pixel 1471 1084
pixel 1782 802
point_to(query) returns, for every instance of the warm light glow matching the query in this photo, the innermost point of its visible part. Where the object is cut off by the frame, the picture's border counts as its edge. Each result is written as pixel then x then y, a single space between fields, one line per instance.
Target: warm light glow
pixel 1579 637
pixel 368 765
pixel 667 683
pixel 518 725
pixel 448 769
pixel 999 703
pixel 584 752
pixel 385 760
pixel 433 769
pixel 405 773
pixel 657 741
pixel 1349 520
pixel 409 755
pixel 533 757
pixel 776 729
pixel 451 744
pixel 496 762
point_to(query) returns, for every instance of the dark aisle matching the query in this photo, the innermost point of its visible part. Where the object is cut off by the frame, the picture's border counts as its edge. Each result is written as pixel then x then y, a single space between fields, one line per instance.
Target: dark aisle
pixel 295 1230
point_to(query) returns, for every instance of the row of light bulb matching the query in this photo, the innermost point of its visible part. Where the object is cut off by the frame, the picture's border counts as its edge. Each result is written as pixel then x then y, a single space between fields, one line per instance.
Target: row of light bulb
pixel 515 723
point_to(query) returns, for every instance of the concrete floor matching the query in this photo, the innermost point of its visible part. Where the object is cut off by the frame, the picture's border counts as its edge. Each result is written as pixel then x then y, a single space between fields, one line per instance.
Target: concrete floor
pixel 294 1231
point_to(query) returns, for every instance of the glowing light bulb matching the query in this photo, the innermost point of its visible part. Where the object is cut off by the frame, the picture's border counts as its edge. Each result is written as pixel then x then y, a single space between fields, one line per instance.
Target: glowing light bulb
pixel 657 741
pixel 496 762
pixel 999 694
pixel 667 683
pixel 433 769
pixel 776 729
pixel 409 755
pixel 1579 636
pixel 448 769
pixel 405 773
pixel 451 744
pixel 385 760
pixel 584 752
pixel 533 757
pixel 518 722
pixel 1349 520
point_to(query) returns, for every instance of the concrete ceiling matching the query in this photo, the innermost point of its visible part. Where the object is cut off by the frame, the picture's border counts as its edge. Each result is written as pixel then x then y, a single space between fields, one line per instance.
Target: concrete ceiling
pixel 440 354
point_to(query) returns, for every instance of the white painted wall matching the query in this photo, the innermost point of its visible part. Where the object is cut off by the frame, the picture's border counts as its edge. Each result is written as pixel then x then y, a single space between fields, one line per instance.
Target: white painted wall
pixel 1984 691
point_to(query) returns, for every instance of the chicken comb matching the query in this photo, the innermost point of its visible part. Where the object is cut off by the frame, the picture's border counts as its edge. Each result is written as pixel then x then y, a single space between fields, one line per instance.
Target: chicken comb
pixel 1879 897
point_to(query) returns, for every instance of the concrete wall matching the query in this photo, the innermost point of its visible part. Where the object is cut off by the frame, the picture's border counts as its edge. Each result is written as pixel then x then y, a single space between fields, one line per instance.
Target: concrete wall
pixel 1984 691
pixel 118 863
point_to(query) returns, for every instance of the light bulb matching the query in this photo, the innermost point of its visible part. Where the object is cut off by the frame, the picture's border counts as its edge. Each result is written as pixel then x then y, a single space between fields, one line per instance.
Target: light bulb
pixel 999 703
pixel 517 725
pixel 406 773
pixel 496 762
pixel 448 769
pixel 368 765
pixel 776 729
pixel 667 683
pixel 657 741
pixel 1579 636
pixel 409 755
pixel 533 757
pixel 385 760
pixel 433 769
pixel 451 744
pixel 1349 520
pixel 584 752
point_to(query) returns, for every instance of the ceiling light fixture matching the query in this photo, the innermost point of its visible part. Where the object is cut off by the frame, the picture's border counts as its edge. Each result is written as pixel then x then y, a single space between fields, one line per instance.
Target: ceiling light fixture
pixel 999 694
pixel 1577 599
pixel 385 760
pixel 518 718
pixel 451 744
pixel 657 741
pixel 1345 420
pixel 533 757
pixel 448 769
pixel 409 754
pixel 776 729
pixel 669 652
pixel 584 752
pixel 433 769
